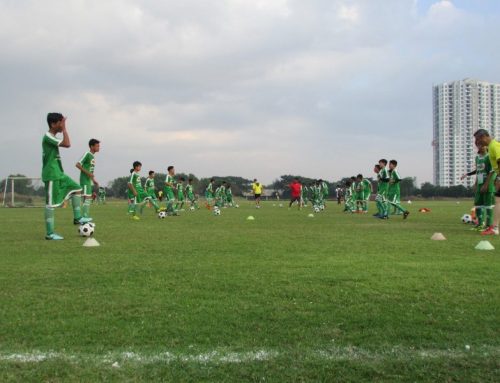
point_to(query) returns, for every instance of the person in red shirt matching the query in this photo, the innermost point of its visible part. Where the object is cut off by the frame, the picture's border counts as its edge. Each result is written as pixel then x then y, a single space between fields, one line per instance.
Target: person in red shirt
pixel 296 192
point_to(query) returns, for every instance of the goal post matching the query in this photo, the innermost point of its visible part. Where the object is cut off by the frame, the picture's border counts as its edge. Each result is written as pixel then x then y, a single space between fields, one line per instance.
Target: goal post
pixel 20 191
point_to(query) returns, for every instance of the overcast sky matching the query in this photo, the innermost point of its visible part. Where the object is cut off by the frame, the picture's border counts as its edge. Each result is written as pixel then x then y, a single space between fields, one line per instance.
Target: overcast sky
pixel 256 88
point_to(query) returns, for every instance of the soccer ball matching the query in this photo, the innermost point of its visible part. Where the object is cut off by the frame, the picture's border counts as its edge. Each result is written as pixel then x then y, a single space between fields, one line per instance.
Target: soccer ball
pixel 191 208
pixel 86 230
pixel 316 209
pixel 466 218
pixel 216 211
pixel 236 206
pixel 321 207
pixel 162 214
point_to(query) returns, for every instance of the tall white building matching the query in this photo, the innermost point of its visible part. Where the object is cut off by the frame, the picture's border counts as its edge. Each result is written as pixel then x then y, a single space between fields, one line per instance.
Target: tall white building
pixel 461 108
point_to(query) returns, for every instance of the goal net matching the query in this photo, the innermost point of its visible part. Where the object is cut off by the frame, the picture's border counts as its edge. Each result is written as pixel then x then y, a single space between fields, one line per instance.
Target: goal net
pixel 22 192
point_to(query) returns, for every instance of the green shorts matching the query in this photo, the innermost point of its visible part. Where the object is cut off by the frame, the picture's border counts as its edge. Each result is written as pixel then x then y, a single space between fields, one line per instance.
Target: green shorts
pixel 141 196
pixel 191 197
pixel 56 192
pixel 87 190
pixel 484 199
pixel 151 194
pixel 209 195
pixel 366 196
pixel 180 197
pixel 168 194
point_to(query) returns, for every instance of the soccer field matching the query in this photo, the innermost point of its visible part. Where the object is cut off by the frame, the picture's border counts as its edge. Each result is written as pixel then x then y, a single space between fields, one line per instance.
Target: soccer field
pixel 282 298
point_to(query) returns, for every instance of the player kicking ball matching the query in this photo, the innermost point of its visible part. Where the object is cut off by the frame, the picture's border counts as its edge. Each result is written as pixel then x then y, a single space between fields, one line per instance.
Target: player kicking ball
pixel 58 186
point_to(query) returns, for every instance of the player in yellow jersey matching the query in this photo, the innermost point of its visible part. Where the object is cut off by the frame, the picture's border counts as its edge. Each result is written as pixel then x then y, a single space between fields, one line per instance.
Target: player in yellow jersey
pixel 257 192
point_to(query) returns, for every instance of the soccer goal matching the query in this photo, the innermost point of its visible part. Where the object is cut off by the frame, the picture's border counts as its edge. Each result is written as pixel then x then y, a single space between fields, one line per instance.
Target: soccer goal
pixel 22 192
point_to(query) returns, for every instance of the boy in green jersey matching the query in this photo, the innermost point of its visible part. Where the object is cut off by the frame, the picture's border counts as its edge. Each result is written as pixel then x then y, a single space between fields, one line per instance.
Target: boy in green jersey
pixel 393 191
pixel 180 194
pixel 136 194
pixel 217 195
pixel 365 190
pixel 484 202
pixel 348 199
pixel 324 192
pixel 101 195
pixel 229 195
pixel 222 194
pixel 209 193
pixel 382 189
pixel 86 165
pixel 58 186
pixel 149 185
pixel 168 190
pixel 483 138
pixel 304 195
pixel 190 194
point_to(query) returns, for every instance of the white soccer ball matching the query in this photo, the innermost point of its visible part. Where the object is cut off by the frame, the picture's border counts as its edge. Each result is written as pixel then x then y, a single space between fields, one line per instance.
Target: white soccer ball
pixel 316 209
pixel 236 206
pixel 86 230
pixel 162 214
pixel 216 211
pixel 192 208
pixel 466 218
pixel 321 207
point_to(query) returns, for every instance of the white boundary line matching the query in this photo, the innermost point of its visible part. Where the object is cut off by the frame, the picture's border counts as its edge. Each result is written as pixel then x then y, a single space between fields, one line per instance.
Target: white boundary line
pixel 230 357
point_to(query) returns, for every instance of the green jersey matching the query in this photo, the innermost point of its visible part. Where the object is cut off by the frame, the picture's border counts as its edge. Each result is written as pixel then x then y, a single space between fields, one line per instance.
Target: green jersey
pixel 88 163
pixel 180 188
pixel 217 192
pixel 210 188
pixel 383 180
pixel 169 180
pixel 135 180
pixel 222 191
pixel 150 185
pixel 324 189
pixel 367 186
pixel 52 169
pixel 189 189
pixel 229 192
pixel 394 180
pixel 483 168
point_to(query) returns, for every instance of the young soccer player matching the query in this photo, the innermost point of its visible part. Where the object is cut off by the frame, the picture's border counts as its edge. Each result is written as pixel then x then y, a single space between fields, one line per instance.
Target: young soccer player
pixel 304 195
pixel 180 194
pixel 257 192
pixel 484 202
pixel 58 186
pixel 151 188
pixel 190 194
pixel 101 195
pixel 168 190
pixel 86 165
pixel 295 192
pixel 136 194
pixel 393 191
pixel 483 138
pixel 229 195
pixel 222 194
pixel 365 190
pixel 382 189
pixel 349 198
pixel 209 193
pixel 325 192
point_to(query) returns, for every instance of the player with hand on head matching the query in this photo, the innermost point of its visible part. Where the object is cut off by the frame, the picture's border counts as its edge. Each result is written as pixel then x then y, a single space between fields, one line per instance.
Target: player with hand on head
pixel 393 191
pixel 58 186
pixel 257 192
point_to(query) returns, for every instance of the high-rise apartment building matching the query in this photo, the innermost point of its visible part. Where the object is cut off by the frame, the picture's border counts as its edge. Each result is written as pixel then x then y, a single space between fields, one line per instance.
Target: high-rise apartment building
pixel 460 108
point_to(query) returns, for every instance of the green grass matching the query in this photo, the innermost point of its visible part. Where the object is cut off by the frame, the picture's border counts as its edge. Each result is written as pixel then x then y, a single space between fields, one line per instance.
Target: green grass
pixel 282 298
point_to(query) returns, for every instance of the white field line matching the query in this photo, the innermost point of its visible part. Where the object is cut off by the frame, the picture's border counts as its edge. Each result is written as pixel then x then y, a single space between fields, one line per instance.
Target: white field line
pixel 116 359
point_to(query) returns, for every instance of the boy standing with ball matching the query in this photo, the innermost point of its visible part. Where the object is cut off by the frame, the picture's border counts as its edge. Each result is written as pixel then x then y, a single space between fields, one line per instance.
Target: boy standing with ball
pixel 58 186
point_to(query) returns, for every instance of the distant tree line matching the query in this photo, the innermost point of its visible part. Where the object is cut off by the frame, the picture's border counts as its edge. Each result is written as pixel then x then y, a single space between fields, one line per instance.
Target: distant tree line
pixel 118 187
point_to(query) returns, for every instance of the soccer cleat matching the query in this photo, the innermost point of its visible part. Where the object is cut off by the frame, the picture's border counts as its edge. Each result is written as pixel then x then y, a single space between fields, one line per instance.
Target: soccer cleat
pixel 135 218
pixel 53 237
pixel 491 230
pixel 383 217
pixel 82 220
pixel 406 214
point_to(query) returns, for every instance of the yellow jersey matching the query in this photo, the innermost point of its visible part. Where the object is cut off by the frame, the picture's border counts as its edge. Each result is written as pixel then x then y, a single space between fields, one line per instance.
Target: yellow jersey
pixel 494 153
pixel 257 187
